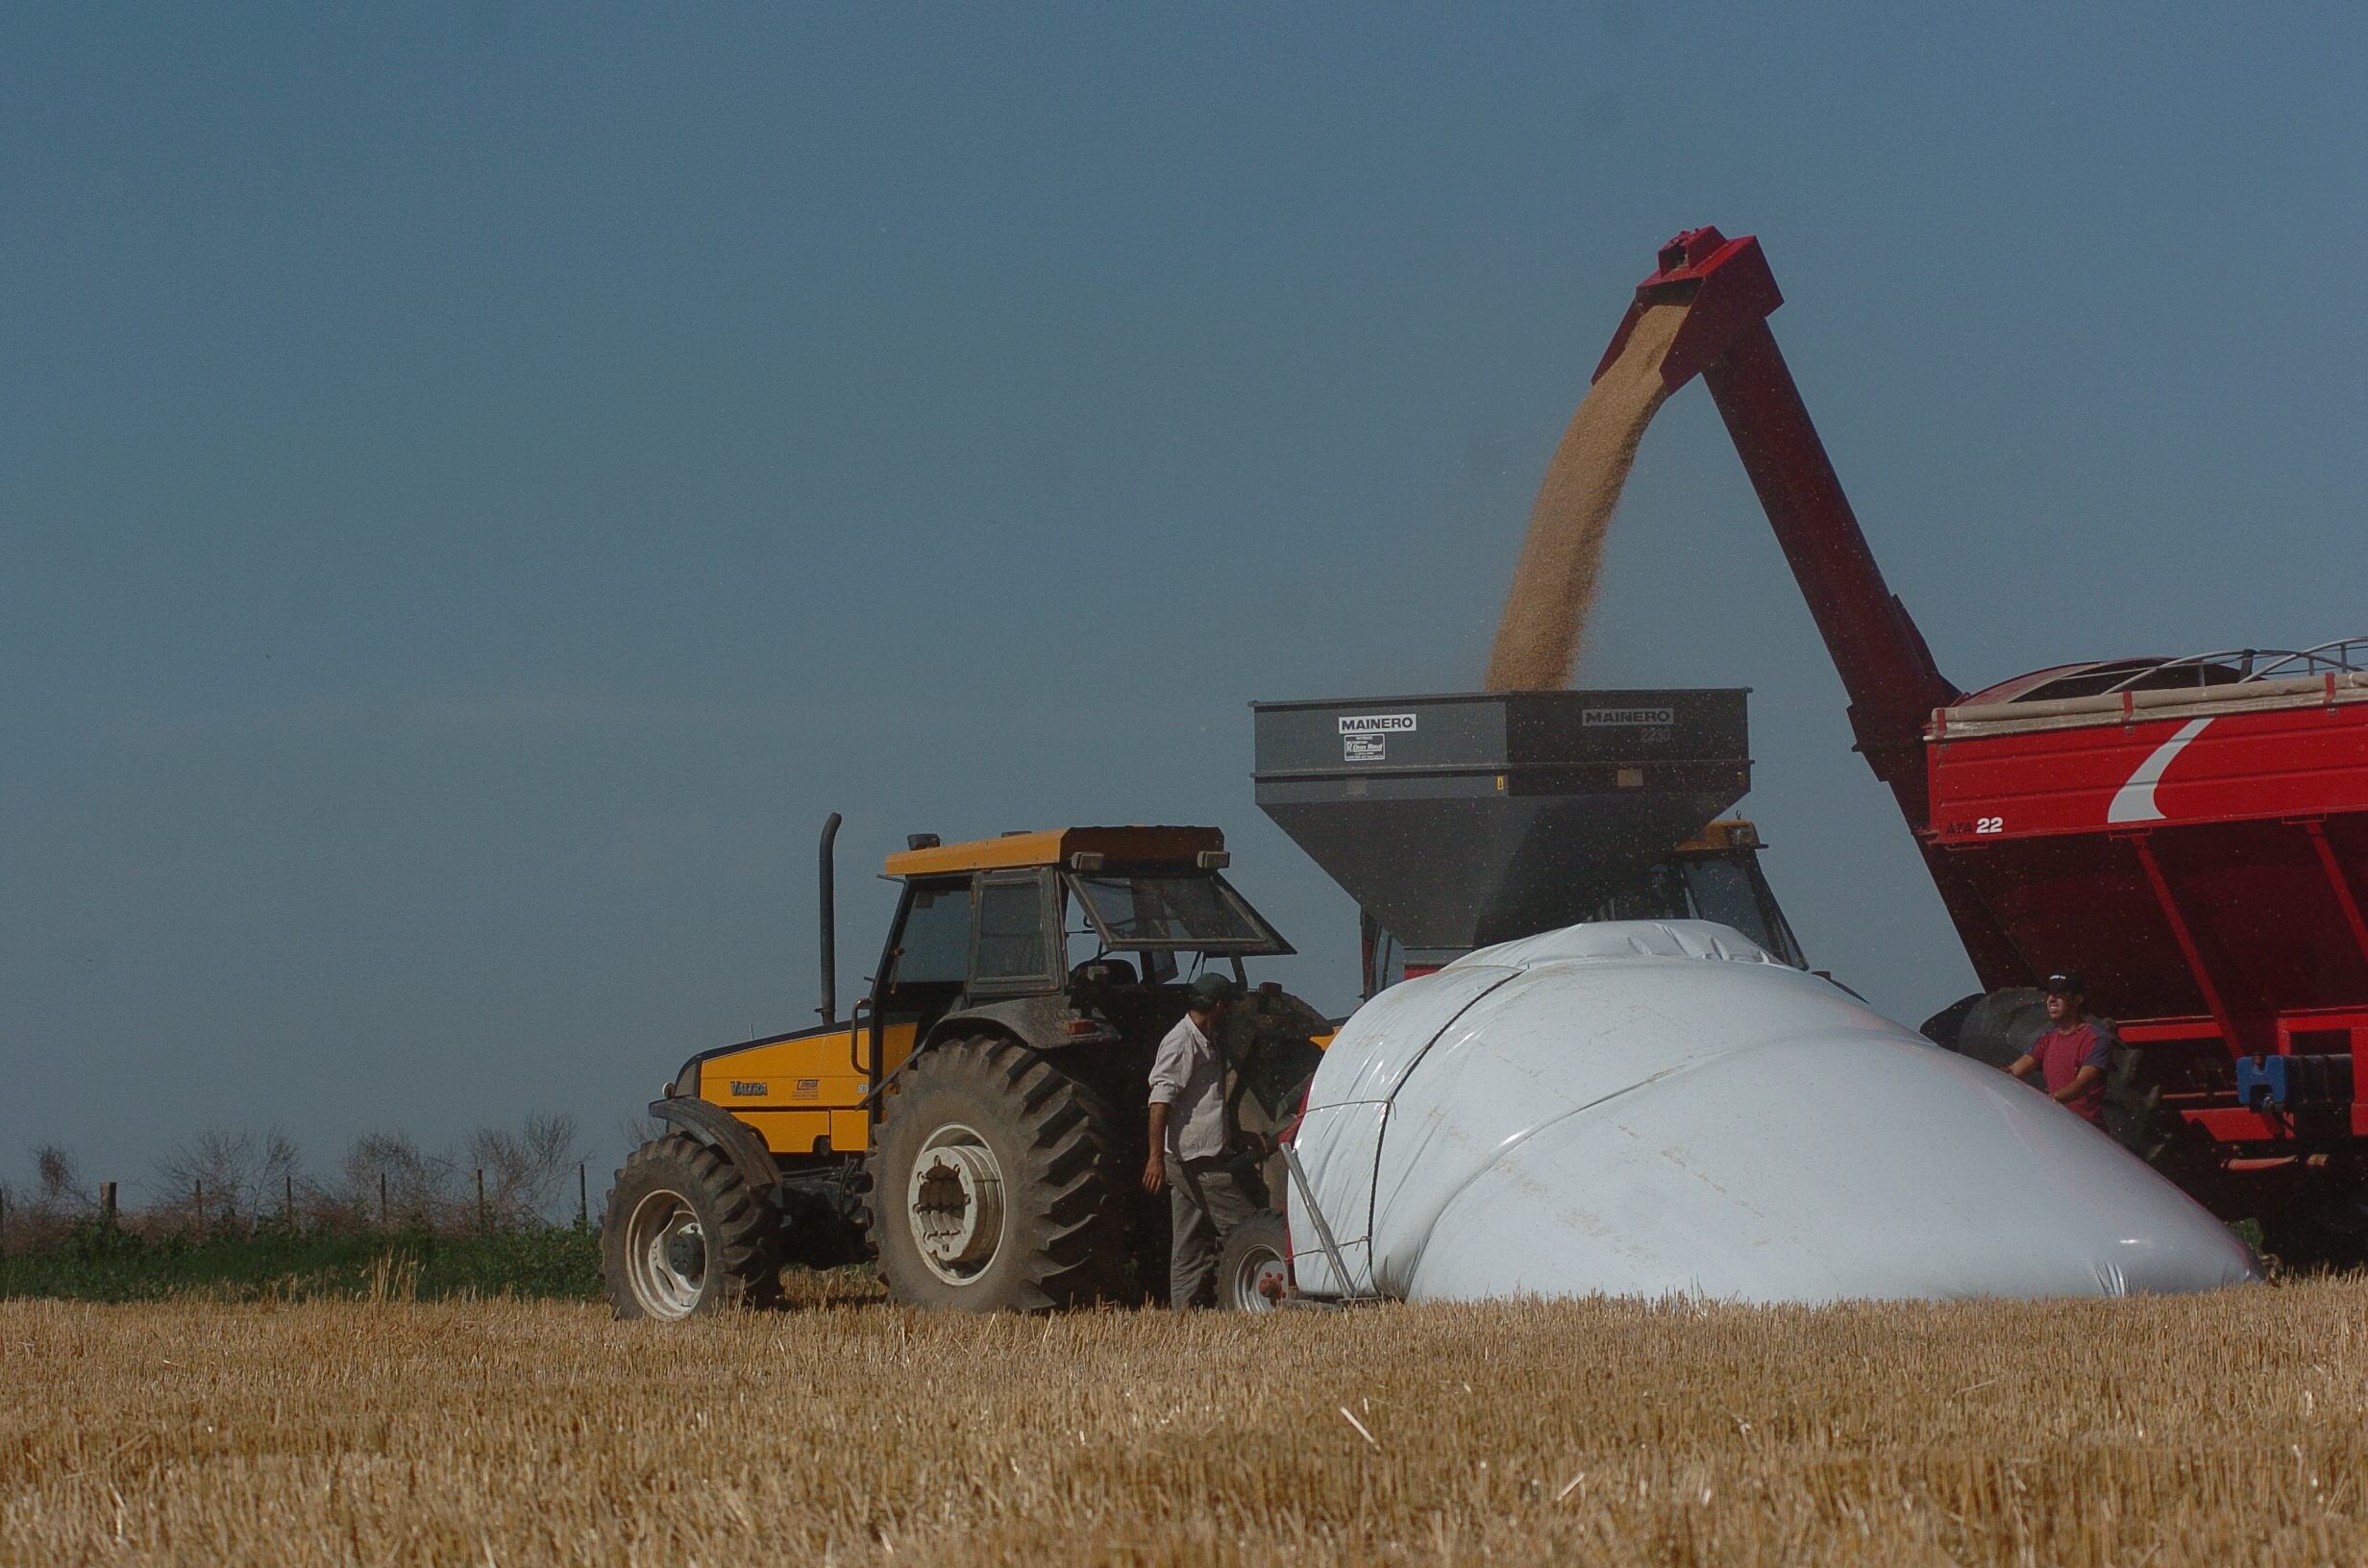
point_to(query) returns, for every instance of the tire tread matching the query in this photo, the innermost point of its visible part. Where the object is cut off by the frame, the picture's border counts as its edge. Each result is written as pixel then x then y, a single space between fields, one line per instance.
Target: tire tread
pixel 1065 1207
pixel 745 1238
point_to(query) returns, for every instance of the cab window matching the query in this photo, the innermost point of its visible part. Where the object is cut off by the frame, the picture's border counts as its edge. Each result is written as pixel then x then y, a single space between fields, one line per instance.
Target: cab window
pixel 1011 931
pixel 936 945
pixel 1728 889
pixel 1194 911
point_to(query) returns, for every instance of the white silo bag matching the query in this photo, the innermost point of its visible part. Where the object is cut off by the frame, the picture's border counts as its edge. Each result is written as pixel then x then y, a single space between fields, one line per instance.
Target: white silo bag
pixel 1659 1108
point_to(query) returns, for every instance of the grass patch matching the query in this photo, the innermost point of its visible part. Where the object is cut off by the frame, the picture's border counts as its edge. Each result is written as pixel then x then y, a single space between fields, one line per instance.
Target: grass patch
pixel 94 1263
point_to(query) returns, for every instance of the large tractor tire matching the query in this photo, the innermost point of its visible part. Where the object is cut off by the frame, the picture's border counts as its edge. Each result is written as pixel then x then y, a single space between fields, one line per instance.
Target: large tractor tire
pixel 2138 1120
pixel 683 1233
pixel 1993 1029
pixel 995 1183
pixel 1253 1267
pixel 1999 1027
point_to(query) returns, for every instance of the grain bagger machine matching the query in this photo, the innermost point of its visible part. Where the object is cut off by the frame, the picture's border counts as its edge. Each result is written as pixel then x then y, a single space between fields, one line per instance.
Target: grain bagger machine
pixel 2191 833
pixel 1460 820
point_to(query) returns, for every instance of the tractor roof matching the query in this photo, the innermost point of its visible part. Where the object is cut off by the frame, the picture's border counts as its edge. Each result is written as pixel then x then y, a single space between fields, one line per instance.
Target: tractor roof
pixel 1727 833
pixel 1052 846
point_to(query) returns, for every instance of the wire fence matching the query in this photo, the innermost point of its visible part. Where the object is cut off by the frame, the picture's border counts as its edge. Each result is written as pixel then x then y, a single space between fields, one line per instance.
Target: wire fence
pixel 212 1194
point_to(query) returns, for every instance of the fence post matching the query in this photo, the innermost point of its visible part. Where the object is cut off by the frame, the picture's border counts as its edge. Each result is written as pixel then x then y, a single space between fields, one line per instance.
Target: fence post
pixel 289 1208
pixel 197 1196
pixel 107 1204
pixel 4 1223
pixel 484 1225
pixel 583 1200
pixel 382 1200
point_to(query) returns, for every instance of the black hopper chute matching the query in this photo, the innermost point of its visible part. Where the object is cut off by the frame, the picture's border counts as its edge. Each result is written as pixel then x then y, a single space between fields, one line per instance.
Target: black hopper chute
pixel 1460 820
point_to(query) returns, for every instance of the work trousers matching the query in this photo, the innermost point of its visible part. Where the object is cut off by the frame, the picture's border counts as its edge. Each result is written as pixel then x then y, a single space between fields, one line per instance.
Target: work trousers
pixel 1205 1199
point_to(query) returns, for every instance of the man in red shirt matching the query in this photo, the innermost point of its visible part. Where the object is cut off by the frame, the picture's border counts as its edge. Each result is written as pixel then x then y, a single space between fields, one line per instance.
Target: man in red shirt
pixel 2073 1055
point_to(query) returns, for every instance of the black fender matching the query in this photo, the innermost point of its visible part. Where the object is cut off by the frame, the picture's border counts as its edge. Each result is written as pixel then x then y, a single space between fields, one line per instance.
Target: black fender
pixel 727 1135
pixel 992 1019
pixel 1041 1024
pixel 1036 1023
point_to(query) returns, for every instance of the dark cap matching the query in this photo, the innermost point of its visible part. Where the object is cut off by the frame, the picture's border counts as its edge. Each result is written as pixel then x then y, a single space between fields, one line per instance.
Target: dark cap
pixel 2067 983
pixel 1213 990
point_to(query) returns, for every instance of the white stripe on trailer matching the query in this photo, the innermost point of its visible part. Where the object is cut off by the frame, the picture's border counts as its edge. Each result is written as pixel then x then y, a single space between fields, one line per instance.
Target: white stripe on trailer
pixel 2135 802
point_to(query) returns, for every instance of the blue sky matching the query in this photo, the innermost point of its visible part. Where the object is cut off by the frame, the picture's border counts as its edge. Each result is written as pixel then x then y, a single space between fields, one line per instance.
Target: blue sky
pixel 477 484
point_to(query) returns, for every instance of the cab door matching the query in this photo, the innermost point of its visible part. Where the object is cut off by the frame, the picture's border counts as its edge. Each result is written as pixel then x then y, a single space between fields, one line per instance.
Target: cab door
pixel 1018 949
pixel 922 971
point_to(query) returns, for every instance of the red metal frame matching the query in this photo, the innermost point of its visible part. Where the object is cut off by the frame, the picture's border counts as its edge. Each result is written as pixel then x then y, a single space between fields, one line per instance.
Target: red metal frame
pixel 1884 665
pixel 2208 877
pixel 2184 935
pixel 2338 883
pixel 2187 863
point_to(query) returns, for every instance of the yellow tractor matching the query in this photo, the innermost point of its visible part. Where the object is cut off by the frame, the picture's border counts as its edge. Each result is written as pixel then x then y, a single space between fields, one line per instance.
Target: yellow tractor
pixel 976 1122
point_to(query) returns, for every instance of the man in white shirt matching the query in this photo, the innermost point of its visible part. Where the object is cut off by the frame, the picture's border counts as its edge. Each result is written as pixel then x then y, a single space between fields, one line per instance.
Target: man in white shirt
pixel 1190 1135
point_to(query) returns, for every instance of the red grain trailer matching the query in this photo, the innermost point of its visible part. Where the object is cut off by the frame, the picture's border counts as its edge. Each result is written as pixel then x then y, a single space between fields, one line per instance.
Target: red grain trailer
pixel 2192 833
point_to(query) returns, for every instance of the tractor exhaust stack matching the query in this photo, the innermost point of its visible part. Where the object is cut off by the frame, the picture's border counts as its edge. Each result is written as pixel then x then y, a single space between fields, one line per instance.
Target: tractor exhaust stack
pixel 827 931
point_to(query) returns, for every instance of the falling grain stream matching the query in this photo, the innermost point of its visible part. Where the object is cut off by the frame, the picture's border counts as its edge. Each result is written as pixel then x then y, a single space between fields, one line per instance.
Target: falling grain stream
pixel 1554 585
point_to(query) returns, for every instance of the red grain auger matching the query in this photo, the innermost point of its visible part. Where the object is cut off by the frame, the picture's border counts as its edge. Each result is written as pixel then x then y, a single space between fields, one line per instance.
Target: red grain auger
pixel 2190 833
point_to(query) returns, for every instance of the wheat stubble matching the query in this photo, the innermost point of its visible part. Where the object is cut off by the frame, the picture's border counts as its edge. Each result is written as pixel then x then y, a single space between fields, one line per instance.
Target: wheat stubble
pixel 2228 1429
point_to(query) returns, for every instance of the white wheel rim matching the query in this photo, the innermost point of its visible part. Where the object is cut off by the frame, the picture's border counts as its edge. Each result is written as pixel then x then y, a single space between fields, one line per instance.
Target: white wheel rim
pixel 955 1203
pixel 665 1255
pixel 1260 1269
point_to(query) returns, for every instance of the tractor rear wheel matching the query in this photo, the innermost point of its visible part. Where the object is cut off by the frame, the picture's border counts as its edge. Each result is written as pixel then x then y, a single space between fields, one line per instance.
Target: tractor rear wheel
pixel 995 1184
pixel 1253 1267
pixel 683 1233
pixel 2136 1117
pixel 2000 1027
pixel 1993 1029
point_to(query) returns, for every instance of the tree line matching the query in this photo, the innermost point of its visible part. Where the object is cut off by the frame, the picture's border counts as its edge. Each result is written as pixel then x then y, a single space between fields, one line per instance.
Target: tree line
pixel 224 1183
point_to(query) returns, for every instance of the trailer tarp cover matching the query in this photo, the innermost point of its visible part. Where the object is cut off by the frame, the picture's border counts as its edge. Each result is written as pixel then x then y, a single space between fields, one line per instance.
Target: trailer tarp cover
pixel 1659 1108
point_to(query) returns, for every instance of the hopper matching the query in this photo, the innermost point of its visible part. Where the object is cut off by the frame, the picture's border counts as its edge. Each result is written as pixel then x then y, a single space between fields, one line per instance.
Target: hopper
pixel 1460 820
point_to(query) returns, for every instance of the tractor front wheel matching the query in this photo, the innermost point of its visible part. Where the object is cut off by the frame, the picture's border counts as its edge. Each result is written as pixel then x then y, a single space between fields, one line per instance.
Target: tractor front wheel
pixel 683 1233
pixel 995 1185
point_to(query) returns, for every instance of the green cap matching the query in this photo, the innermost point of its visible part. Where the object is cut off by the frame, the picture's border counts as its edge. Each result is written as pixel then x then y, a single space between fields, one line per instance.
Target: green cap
pixel 1213 990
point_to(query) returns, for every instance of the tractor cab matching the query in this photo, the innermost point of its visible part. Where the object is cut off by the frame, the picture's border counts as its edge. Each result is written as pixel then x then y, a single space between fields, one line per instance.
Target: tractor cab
pixel 1714 876
pixel 1068 938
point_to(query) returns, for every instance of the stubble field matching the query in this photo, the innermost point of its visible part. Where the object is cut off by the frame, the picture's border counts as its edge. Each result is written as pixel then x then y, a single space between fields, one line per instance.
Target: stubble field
pixel 2226 1428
